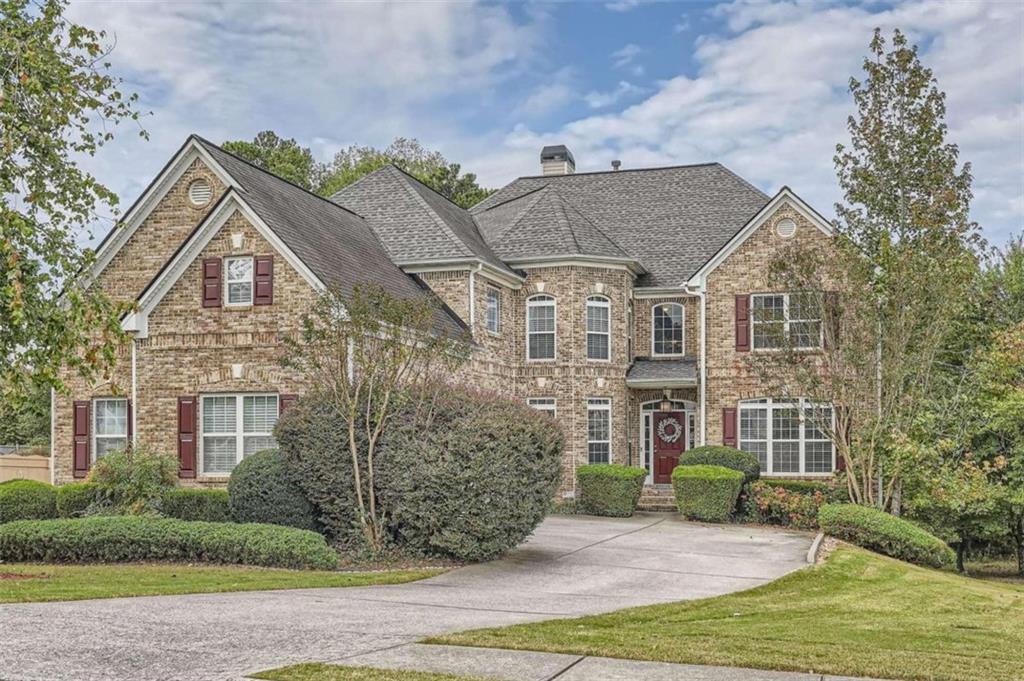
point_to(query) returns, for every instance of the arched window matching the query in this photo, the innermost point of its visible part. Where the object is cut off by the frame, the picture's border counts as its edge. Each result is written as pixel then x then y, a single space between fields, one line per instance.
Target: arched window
pixel 667 329
pixel 540 327
pixel 599 328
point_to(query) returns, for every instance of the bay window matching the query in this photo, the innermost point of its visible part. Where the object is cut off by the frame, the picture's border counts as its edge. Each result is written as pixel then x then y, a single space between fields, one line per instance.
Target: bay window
pixel 788 436
pixel 235 426
pixel 493 310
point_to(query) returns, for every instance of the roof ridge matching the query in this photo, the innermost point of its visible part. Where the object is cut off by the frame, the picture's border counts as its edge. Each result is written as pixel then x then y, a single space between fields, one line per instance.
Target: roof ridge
pixel 522 214
pixel 276 177
pixel 593 224
pixel 562 204
pixel 514 198
pixel 422 203
pixel 621 171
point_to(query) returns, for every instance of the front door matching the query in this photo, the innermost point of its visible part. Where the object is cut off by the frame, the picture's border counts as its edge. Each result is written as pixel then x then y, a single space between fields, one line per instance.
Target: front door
pixel 669 442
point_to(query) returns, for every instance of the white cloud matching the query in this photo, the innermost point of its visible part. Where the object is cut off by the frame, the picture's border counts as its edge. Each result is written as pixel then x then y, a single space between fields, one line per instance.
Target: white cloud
pixel 600 100
pixel 626 55
pixel 626 5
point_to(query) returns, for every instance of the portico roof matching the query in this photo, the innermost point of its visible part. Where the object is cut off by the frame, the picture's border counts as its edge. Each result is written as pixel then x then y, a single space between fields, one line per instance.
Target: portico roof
pixel 663 373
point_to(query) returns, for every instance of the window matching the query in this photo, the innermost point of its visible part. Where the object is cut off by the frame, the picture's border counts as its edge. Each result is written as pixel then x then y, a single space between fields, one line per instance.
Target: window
pixel 110 425
pixel 667 329
pixel 787 436
pixel 781 318
pixel 238 282
pixel 235 426
pixel 493 310
pixel 540 327
pixel 598 328
pixel 544 404
pixel 599 430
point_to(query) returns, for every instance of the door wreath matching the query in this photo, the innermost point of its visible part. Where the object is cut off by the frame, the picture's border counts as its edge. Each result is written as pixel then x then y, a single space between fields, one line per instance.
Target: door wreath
pixel 665 434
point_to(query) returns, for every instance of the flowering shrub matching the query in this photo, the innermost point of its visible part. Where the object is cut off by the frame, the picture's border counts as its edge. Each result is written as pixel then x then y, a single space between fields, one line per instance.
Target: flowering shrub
pixel 777 505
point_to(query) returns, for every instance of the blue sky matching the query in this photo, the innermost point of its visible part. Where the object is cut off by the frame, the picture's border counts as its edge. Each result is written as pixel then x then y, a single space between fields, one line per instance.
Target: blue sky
pixel 759 87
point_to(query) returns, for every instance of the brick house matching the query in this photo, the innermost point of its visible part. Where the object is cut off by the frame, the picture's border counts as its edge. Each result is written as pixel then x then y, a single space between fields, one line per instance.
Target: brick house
pixel 620 302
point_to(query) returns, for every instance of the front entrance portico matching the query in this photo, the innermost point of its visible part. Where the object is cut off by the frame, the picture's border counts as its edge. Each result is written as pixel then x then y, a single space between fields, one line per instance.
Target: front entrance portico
pixel 667 429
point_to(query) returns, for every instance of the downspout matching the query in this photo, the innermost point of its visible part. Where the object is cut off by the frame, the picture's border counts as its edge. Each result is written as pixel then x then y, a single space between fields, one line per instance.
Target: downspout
pixel 703 397
pixel 53 436
pixel 135 399
pixel 472 298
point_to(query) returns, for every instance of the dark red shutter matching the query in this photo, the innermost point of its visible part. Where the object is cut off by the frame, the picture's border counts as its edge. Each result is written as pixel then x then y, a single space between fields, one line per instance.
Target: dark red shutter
pixel 211 282
pixel 729 427
pixel 264 280
pixel 131 429
pixel 187 437
pixel 284 402
pixel 742 323
pixel 80 441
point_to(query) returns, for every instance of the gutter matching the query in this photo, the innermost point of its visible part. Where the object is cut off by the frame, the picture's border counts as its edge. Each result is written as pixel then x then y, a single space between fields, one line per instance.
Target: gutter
pixel 472 298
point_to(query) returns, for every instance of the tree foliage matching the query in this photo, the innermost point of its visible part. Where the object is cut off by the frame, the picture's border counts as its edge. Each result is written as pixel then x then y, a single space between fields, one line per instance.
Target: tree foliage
pixel 58 103
pixel 282 157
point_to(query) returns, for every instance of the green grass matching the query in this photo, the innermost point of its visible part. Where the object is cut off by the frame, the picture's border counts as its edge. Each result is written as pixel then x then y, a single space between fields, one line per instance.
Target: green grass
pixel 998 569
pixel 859 614
pixel 330 672
pixel 77 582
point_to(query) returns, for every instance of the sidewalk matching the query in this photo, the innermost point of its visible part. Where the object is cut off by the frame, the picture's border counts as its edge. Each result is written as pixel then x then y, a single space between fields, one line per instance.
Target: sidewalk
pixel 518 665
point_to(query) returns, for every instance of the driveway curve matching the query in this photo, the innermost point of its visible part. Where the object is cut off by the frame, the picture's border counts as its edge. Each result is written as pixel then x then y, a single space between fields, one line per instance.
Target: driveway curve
pixel 572 565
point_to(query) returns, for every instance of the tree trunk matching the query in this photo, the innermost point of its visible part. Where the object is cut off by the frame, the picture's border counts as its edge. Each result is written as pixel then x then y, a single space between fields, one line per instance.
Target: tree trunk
pixel 1018 540
pixel 961 550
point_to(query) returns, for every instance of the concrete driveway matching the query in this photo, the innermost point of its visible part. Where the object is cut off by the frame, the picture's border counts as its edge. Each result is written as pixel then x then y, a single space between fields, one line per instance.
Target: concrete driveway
pixel 570 566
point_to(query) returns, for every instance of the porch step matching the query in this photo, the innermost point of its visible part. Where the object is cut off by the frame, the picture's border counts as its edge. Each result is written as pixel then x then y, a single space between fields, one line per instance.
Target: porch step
pixel 657 498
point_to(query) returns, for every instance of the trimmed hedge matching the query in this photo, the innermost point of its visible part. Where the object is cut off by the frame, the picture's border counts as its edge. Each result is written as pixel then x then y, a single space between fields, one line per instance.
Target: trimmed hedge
pixel 27 500
pixel 609 489
pixel 706 493
pixel 75 499
pixel 726 457
pixel 879 531
pixel 189 503
pixel 260 491
pixel 117 539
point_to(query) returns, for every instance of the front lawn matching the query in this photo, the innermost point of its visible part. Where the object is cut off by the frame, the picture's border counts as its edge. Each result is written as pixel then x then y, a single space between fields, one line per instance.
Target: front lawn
pixel 25 582
pixel 859 614
pixel 330 672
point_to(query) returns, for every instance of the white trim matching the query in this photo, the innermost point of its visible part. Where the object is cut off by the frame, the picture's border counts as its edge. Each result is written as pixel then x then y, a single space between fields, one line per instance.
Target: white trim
pixel 659 383
pixel 683 325
pixel 606 262
pixel 661 292
pixel 53 436
pixel 472 299
pixel 784 196
pixel 486 270
pixel 488 290
pixel 533 301
pixel 190 151
pixel 601 404
pixel 786 322
pixel 647 443
pixel 801 404
pixel 239 433
pixel 135 394
pixel 93 430
pixel 138 321
pixel 598 300
pixel 544 404
pixel 227 282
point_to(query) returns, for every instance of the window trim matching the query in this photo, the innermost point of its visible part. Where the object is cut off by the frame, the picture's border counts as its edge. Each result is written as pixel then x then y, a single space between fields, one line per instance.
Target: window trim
pixel 600 404
pixel 801 404
pixel 597 301
pixel 682 325
pixel 239 434
pixel 544 404
pixel 496 331
pixel 228 282
pixel 539 300
pixel 786 321
pixel 94 431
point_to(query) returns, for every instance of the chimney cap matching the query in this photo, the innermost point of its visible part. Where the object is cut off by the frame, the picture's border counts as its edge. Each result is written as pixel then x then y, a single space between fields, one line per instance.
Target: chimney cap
pixel 557 152
pixel 616 164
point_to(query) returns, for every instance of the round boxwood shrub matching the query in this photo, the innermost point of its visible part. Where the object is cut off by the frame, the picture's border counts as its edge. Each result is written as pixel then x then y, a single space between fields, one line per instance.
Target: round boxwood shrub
pixel 879 531
pixel 260 491
pixel 197 503
pixel 27 500
pixel 74 500
pixel 706 493
pixel 608 489
pixel 727 457
pixel 116 539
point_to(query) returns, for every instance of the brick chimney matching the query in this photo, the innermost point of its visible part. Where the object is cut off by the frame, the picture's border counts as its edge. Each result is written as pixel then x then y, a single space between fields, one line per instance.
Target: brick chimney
pixel 557 160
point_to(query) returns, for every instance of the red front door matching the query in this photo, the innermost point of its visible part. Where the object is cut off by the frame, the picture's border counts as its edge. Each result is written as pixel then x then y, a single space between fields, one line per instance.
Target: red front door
pixel 669 442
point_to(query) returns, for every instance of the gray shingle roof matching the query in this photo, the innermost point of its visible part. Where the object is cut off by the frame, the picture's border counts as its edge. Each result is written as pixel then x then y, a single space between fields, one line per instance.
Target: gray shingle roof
pixel 660 371
pixel 413 221
pixel 336 244
pixel 672 220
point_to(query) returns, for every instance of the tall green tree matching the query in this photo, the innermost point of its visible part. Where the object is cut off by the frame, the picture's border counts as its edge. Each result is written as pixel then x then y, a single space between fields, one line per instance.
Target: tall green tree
pixel 283 157
pixel 58 103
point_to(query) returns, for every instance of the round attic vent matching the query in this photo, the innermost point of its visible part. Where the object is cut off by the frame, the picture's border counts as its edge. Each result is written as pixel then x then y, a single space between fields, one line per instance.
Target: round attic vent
pixel 200 192
pixel 785 228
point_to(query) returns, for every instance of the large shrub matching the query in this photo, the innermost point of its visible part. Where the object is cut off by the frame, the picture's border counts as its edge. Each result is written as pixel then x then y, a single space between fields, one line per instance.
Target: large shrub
pixel 113 539
pixel 192 503
pixel 75 500
pixel 706 493
pixel 27 500
pixel 791 506
pixel 260 491
pixel 473 482
pixel 608 489
pixel 727 457
pixel 135 480
pixel 879 531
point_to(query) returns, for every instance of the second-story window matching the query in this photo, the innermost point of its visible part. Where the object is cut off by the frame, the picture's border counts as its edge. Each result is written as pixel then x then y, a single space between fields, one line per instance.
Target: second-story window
pixel 493 311
pixel 540 327
pixel 667 329
pixel 598 328
pixel 238 282
pixel 778 319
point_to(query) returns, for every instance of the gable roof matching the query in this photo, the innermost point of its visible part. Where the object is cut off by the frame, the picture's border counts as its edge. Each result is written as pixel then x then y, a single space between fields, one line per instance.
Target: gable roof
pixel 671 220
pixel 414 222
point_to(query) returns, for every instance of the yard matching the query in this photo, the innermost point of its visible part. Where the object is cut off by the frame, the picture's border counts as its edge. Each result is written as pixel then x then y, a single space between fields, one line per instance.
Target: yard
pixel 858 614
pixel 26 583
